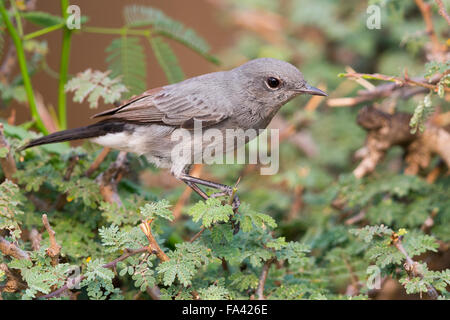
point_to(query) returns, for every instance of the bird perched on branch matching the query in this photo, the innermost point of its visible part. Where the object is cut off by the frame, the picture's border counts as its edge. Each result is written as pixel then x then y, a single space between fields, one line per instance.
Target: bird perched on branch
pixel 246 97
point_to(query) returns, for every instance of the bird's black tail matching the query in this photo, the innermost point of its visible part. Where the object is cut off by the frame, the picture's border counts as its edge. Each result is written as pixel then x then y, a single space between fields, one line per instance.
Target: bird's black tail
pixel 91 131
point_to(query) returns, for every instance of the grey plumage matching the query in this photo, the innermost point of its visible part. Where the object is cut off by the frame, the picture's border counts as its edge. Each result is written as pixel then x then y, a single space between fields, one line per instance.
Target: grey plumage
pixel 239 98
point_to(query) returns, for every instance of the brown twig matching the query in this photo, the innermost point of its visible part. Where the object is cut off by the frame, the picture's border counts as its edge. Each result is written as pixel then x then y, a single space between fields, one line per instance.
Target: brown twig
pixel 297 203
pixel 7 163
pixel 153 247
pixel 442 11
pixel 262 279
pixel 356 218
pixel 355 286
pixel 425 9
pixel 55 249
pixel 429 221
pixel 406 81
pixel 10 249
pixel 109 179
pixel 35 239
pixel 98 161
pixel 412 267
pixel 154 293
pixel 198 234
pixel 386 130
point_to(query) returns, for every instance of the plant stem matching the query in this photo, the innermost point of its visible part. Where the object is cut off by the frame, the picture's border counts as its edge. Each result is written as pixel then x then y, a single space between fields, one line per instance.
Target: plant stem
pixel 64 67
pixel 118 31
pixel 17 17
pixel 43 31
pixel 23 68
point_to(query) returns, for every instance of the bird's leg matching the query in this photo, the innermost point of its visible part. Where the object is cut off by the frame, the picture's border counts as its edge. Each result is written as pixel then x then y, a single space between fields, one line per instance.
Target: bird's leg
pixel 196 188
pixel 193 181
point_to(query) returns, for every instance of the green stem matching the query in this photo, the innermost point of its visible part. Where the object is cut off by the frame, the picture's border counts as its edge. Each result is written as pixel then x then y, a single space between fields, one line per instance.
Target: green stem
pixel 43 31
pixel 23 68
pixel 17 16
pixel 118 31
pixel 64 67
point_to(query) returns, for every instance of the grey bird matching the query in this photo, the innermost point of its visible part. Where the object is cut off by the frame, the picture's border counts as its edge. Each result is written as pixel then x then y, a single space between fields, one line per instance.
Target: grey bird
pixel 246 97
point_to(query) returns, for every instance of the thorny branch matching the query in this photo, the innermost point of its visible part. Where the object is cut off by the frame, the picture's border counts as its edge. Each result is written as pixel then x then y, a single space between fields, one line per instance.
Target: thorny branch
pixel 412 267
pixel 425 9
pixel 385 131
pixel 262 279
pixel 11 249
pixel 385 90
pixel 153 247
pixel 55 249
pixel 109 179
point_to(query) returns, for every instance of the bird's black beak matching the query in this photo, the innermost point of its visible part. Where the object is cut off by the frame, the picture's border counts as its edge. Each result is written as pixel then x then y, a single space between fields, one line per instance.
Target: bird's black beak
pixel 312 91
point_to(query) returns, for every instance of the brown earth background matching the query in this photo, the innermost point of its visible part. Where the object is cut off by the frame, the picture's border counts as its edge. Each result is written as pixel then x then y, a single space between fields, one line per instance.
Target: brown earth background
pixel 88 50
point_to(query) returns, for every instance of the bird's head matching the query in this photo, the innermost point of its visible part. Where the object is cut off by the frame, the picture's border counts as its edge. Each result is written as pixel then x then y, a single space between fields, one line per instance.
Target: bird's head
pixel 272 80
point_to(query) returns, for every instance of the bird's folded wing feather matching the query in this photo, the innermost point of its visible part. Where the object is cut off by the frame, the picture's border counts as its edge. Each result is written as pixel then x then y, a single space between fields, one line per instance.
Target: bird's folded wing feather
pixel 165 106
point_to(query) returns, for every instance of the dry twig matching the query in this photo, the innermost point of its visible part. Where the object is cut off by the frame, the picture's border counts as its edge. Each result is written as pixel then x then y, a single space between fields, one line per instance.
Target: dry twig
pixel 55 249
pixel 412 267
pixel 153 245
pixel 262 279
pixel 98 161
pixel 109 179
pixel 11 249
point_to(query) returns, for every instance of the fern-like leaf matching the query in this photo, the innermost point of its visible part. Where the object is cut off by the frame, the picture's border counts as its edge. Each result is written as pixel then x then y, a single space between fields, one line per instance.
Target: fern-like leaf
pixel 127 59
pixel 167 60
pixel 141 16
pixel 94 85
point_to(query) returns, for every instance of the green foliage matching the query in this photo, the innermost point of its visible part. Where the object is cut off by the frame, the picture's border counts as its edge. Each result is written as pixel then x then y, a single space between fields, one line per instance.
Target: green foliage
pixel 10 208
pixel 126 58
pixel 213 292
pixel 421 113
pixel 249 219
pixel 157 209
pixel 167 60
pixel 183 263
pixel 43 19
pixel 210 211
pixel 94 85
pixel 141 16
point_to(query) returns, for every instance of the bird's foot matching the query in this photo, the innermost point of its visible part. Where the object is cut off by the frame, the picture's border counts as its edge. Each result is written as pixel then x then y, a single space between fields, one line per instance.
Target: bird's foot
pixel 230 192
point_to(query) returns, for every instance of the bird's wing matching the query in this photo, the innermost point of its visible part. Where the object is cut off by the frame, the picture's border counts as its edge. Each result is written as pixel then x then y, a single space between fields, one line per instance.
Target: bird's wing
pixel 165 106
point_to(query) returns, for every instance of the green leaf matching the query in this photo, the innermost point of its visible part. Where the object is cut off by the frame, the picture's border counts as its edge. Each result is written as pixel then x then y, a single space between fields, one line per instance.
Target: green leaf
pixel 42 18
pixel 126 58
pixel 210 211
pixel 167 60
pixel 368 232
pixel 250 219
pixel 140 16
pixel 94 85
pixel 183 263
pixel 160 208
pixel 213 292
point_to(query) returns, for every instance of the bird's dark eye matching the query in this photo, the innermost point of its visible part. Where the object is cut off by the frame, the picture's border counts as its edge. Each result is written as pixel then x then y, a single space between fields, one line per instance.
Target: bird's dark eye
pixel 273 82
